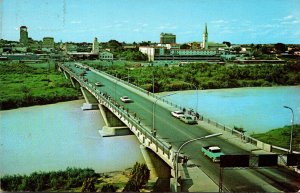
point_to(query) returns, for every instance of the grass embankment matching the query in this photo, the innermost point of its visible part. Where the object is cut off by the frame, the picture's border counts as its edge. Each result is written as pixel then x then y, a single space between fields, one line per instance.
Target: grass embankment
pixel 205 75
pixel 22 85
pixel 281 137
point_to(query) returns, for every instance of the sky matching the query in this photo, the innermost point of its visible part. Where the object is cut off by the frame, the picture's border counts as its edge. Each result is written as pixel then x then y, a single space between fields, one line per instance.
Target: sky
pixel 236 21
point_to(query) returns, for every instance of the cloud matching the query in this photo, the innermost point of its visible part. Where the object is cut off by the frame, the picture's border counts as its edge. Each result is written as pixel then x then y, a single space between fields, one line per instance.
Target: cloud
pixel 220 21
pixel 75 22
pixel 288 17
pixel 167 26
pixel 288 20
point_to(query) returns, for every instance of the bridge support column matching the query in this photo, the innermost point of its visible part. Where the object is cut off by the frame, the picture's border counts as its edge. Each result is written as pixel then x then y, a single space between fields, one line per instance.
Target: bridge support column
pixel 66 75
pixel 113 126
pixel 72 82
pixel 160 172
pixel 91 101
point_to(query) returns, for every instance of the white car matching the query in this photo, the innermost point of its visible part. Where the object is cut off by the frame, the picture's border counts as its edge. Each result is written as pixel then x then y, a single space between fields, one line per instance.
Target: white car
pixel 125 99
pixel 188 119
pixel 98 84
pixel 177 114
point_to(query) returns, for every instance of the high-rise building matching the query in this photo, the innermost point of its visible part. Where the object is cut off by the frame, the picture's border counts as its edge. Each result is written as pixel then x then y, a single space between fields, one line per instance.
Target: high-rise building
pixel 23 35
pixel 48 42
pixel 205 38
pixel 167 38
pixel 95 48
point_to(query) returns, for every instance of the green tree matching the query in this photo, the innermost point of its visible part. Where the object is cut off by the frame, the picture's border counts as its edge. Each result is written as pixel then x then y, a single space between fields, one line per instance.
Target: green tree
pixel 139 176
pixel 108 188
pixel 280 48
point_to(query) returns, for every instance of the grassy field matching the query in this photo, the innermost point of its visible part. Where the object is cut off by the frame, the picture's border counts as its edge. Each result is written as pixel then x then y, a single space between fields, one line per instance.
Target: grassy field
pixel 23 85
pixel 281 137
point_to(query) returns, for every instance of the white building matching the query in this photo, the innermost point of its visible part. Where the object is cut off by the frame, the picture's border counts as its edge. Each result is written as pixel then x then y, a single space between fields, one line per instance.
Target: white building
pixel 149 51
pixel 106 56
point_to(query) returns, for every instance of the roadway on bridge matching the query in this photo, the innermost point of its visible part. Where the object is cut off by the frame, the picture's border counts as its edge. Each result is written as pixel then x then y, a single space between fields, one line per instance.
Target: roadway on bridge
pixel 176 132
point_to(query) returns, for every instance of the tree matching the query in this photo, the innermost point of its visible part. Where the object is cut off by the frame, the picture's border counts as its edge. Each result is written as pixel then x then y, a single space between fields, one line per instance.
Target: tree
pixel 237 49
pixel 280 48
pixel 185 46
pixel 88 185
pixel 228 44
pixel 114 44
pixel 143 43
pixel 108 188
pixel 139 176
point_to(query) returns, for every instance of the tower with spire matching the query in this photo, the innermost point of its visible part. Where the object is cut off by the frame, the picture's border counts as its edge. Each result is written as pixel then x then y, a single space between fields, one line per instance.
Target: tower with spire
pixel 95 48
pixel 205 38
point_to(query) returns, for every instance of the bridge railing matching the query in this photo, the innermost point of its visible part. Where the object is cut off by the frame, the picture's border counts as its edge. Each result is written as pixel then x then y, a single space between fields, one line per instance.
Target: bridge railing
pixel 133 122
pixel 139 88
pixel 241 135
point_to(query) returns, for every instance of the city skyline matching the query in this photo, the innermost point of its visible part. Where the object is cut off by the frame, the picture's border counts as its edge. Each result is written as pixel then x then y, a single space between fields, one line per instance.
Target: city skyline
pixel 235 21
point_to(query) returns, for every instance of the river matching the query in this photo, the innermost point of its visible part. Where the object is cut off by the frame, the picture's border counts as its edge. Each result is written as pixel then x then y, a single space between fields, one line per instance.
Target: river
pixel 254 109
pixel 57 136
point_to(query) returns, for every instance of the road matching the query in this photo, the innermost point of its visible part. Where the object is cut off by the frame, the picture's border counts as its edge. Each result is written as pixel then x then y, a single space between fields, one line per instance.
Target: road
pixel 176 132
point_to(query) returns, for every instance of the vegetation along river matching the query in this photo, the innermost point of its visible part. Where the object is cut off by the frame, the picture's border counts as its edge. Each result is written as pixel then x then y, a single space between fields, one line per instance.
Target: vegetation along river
pixel 61 135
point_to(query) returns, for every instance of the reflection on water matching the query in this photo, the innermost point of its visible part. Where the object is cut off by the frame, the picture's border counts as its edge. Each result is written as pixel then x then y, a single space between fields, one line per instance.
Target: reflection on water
pixel 254 109
pixel 53 137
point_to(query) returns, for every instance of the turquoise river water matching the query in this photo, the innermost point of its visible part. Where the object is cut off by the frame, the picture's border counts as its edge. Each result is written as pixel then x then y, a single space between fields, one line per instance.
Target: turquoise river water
pixel 255 109
pixel 53 137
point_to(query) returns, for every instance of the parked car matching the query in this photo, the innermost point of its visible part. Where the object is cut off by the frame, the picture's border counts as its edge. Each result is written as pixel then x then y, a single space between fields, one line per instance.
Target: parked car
pixel 125 99
pixel 188 119
pixel 177 114
pixel 213 152
pixel 98 84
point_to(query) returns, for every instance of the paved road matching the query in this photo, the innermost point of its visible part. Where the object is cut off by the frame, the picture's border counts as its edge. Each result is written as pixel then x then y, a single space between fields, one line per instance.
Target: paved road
pixel 176 132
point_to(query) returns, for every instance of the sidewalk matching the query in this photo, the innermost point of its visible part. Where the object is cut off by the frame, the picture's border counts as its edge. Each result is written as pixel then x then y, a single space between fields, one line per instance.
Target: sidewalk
pixel 233 139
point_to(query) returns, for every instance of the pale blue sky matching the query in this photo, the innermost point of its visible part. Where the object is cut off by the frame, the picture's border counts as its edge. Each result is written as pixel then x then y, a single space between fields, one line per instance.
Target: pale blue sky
pixel 237 21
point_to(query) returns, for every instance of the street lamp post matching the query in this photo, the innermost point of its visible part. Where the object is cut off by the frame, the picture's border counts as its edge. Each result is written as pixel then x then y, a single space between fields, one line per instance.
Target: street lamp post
pixel 291 139
pixel 185 143
pixel 153 110
pixel 153 82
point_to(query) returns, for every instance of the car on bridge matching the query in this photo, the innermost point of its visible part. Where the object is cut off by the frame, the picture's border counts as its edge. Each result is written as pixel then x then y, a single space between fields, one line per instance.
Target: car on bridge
pixel 188 119
pixel 98 84
pixel 125 99
pixel 213 152
pixel 177 114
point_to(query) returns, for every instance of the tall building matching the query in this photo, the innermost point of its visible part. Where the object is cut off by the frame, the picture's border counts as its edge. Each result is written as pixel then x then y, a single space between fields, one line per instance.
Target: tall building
pixel 167 38
pixel 95 48
pixel 205 38
pixel 48 42
pixel 23 35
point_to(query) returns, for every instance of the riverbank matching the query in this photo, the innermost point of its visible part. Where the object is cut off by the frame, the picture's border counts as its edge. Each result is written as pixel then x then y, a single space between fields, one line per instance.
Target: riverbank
pixel 281 137
pixel 23 85
pixel 69 180
pixel 204 75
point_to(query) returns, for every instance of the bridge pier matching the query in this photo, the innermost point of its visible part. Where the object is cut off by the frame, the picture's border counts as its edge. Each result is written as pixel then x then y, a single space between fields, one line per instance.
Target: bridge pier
pixel 91 101
pixel 66 75
pixel 160 172
pixel 113 125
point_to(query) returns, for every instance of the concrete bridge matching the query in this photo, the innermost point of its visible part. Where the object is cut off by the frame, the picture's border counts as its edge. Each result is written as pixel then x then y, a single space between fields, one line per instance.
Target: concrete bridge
pixel 149 111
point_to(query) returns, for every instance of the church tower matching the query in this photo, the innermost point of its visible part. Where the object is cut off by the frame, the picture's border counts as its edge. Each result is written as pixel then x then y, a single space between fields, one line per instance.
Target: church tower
pixel 95 48
pixel 205 38
pixel 23 35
